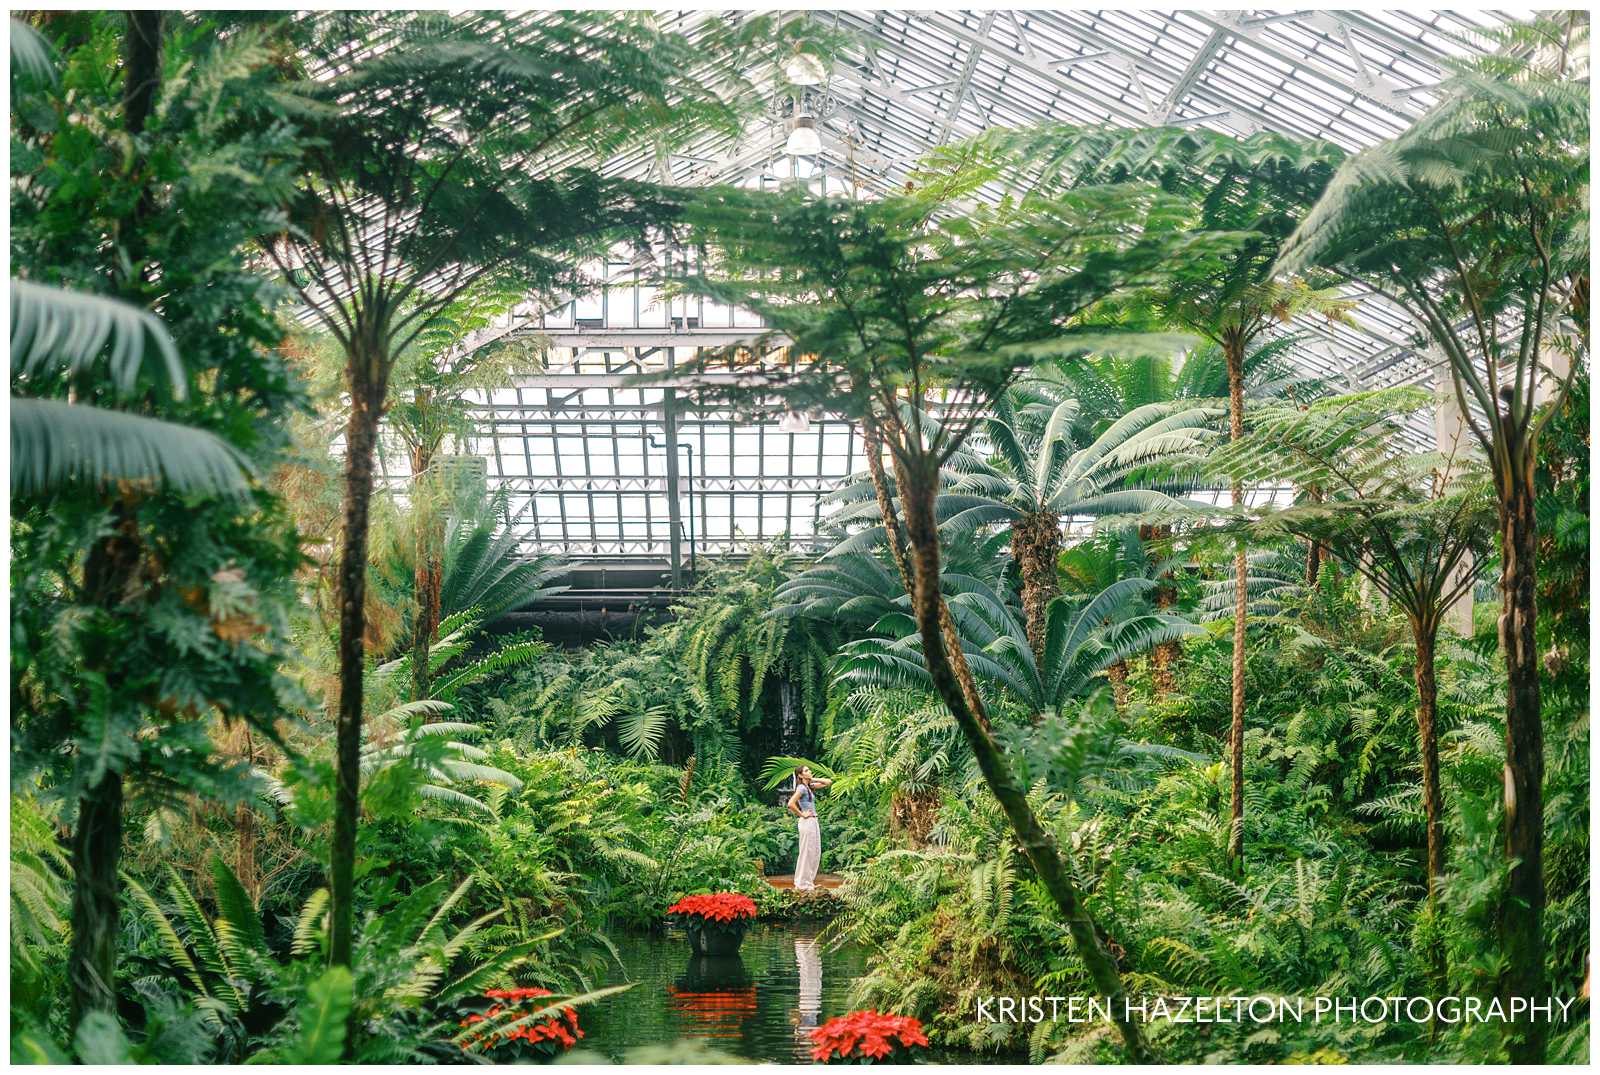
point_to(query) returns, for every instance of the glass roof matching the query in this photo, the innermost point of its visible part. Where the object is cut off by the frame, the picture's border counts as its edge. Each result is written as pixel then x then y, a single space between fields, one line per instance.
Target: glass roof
pixel 583 455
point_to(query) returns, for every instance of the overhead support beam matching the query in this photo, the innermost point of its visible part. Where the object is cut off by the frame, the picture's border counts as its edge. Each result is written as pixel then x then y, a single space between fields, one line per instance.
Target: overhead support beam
pixel 709 379
pixel 963 82
pixel 1191 74
pixel 616 339
pixel 1380 91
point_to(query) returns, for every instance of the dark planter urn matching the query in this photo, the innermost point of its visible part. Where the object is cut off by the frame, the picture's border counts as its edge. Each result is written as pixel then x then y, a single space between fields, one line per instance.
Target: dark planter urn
pixel 711 938
pixel 714 974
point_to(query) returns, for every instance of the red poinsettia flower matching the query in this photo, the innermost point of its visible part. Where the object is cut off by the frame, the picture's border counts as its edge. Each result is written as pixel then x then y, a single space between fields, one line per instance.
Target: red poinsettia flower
pixel 867 1035
pixel 716 907
pixel 545 1037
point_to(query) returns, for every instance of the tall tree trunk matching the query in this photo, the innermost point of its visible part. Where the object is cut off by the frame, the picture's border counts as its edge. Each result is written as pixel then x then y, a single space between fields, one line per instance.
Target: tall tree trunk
pixel 367 376
pixel 96 855
pixel 428 573
pixel 109 569
pixel 1314 548
pixel 1234 348
pixel 1522 910
pixel 897 549
pixel 1427 637
pixel 1035 545
pixel 916 496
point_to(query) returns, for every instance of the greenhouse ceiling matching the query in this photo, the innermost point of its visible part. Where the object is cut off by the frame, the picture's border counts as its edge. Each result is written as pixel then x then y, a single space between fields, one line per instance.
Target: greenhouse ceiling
pixel 586 457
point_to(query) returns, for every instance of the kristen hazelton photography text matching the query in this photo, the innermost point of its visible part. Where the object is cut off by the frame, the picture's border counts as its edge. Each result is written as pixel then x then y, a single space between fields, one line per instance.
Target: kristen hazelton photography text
pixel 1262 1009
pixel 773 536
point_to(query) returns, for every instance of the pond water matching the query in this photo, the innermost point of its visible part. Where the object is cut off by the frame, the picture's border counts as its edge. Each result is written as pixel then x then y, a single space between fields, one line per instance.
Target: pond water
pixel 758 1006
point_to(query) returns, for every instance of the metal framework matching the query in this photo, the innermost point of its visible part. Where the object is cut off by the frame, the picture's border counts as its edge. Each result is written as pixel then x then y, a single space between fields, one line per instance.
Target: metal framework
pixel 598 468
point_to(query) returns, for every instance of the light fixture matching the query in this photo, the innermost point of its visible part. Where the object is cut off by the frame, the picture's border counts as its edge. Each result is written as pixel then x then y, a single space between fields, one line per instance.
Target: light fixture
pixel 804 69
pixel 803 139
pixel 794 422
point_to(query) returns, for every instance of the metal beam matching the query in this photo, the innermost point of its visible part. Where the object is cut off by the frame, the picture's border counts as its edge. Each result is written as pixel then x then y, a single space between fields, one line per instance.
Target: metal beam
pixel 641 380
pixel 964 80
pixel 1191 74
pixel 674 509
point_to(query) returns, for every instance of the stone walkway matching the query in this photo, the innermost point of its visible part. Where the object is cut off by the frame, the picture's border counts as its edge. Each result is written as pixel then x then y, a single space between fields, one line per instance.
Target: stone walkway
pixel 824 880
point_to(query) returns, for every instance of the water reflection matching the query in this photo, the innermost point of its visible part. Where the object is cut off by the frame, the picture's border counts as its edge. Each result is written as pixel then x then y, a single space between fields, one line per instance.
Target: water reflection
pixel 714 998
pixel 808 961
pixel 759 1005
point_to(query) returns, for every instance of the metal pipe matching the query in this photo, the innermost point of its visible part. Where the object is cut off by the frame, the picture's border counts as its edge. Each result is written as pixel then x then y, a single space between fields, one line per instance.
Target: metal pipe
pixel 688 450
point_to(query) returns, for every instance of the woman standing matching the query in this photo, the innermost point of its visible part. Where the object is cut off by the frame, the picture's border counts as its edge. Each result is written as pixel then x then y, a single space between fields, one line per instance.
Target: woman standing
pixel 803 804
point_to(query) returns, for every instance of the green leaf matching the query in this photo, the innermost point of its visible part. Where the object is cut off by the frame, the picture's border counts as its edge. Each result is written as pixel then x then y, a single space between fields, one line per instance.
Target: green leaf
pixel 100 1040
pixel 323 1016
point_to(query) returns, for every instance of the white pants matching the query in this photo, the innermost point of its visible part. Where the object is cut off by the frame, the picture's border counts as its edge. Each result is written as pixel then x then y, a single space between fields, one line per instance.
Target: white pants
pixel 805 867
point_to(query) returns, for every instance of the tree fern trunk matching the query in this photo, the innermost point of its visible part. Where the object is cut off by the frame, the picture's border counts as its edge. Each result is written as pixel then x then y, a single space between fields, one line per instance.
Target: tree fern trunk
pixel 1522 910
pixel 96 855
pixel 1234 348
pixel 110 567
pixel 1315 550
pixel 897 549
pixel 367 373
pixel 916 495
pixel 1426 637
pixel 428 570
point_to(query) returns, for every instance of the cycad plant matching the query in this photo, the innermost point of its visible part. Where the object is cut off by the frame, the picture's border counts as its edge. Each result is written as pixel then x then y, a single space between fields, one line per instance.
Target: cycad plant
pixel 1476 222
pixel 436 382
pixel 1089 566
pixel 61 338
pixel 484 571
pixel 1079 644
pixel 1033 481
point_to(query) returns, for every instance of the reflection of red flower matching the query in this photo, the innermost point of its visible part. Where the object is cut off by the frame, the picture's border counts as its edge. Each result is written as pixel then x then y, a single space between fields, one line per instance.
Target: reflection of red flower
pixel 545 1037
pixel 715 1013
pixel 716 906
pixel 866 1035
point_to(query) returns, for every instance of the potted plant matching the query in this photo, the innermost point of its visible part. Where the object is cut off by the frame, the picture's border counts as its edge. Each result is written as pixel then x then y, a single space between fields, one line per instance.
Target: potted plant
pixel 509 1030
pixel 715 921
pixel 868 1037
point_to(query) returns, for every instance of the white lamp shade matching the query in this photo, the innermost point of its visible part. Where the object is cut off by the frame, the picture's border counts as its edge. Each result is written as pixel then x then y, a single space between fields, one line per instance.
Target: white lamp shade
pixel 804 69
pixel 803 140
pixel 794 422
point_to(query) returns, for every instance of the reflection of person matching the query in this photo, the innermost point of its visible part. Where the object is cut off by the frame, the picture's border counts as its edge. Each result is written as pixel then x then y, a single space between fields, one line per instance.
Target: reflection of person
pixel 803 805
pixel 808 958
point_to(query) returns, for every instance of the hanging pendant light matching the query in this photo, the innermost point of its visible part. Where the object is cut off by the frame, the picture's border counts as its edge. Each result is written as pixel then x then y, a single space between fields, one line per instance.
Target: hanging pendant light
pixel 803 138
pixel 794 422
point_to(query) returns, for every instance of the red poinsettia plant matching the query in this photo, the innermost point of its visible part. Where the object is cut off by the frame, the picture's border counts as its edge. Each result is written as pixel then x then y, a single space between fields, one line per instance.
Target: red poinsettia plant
pixel 716 907
pixel 868 1037
pixel 507 1037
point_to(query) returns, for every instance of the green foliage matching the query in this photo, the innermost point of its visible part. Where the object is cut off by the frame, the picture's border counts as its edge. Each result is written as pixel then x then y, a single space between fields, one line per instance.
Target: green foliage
pixel 200 616
pixel 725 671
pixel 1079 643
